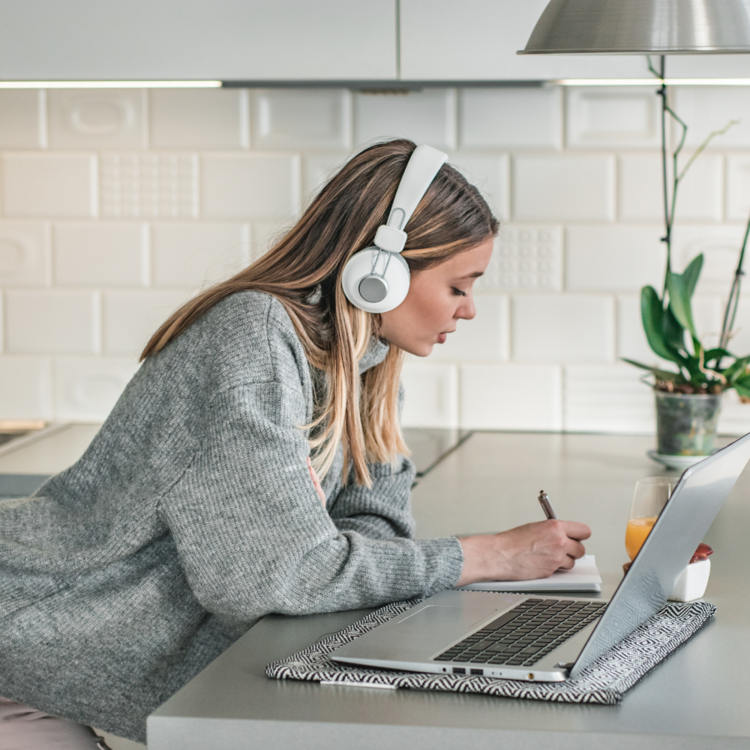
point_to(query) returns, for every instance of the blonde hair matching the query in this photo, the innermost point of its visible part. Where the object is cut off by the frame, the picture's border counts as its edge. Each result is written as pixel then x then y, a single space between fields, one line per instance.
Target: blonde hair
pixel 303 271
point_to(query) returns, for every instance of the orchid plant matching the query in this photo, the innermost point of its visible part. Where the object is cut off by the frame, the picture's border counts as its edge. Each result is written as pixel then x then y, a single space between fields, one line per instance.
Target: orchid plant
pixel 668 319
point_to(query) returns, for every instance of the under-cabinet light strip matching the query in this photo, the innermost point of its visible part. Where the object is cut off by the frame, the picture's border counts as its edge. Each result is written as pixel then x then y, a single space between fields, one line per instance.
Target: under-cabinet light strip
pixel 652 82
pixel 110 84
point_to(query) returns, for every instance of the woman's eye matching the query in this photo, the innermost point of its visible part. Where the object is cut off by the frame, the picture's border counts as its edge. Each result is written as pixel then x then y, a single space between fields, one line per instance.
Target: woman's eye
pixel 458 292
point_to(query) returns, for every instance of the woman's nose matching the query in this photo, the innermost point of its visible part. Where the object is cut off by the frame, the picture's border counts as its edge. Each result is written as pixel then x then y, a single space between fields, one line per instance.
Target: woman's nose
pixel 467 311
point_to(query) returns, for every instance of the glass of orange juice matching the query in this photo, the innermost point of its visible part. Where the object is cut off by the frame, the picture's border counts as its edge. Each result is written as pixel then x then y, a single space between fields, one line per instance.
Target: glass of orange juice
pixel 651 495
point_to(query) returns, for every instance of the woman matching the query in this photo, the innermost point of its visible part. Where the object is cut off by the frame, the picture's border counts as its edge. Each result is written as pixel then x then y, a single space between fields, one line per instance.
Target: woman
pixel 254 464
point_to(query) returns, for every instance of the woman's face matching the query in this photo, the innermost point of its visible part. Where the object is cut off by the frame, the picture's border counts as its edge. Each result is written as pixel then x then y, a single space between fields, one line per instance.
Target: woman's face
pixel 438 298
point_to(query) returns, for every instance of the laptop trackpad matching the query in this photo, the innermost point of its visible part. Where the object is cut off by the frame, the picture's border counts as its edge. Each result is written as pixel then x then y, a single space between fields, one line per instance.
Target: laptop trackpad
pixel 418 634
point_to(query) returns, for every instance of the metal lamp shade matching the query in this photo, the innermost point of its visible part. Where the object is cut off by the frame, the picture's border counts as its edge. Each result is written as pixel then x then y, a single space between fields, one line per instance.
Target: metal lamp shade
pixel 658 27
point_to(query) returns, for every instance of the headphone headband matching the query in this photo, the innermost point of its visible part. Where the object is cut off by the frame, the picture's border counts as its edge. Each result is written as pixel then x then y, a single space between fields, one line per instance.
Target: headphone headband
pixel 376 279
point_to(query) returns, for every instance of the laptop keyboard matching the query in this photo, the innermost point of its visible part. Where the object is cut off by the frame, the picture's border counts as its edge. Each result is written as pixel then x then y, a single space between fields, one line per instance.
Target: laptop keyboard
pixel 526 633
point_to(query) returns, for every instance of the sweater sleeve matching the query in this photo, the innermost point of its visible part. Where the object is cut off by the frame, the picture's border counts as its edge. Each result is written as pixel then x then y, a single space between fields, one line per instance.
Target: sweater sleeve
pixel 384 510
pixel 253 537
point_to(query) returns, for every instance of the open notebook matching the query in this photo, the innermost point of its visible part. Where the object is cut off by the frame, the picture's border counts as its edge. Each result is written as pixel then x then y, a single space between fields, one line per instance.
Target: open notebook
pixel 583 576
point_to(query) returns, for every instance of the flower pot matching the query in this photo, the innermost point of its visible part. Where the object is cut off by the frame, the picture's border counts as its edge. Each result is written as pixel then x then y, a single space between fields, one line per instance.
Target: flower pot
pixel 686 423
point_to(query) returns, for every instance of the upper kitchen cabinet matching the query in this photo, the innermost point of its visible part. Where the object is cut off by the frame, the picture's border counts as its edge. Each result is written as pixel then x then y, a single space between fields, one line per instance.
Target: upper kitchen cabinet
pixel 477 40
pixel 261 40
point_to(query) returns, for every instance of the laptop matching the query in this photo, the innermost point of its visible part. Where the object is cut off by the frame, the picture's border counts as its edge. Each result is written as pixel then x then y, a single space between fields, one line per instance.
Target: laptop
pixel 550 638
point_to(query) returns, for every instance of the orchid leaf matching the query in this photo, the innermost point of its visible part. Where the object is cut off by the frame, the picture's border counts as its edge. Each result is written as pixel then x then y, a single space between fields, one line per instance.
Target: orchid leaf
pixel 674 333
pixel 652 314
pixel 681 287
pixel 659 374
pixel 712 354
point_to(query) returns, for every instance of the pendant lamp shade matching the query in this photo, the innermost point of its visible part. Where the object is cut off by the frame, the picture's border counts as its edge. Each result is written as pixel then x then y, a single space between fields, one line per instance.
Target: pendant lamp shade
pixel 658 27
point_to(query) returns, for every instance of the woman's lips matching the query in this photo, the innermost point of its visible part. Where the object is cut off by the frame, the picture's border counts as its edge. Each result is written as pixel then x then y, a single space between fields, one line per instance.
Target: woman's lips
pixel 442 337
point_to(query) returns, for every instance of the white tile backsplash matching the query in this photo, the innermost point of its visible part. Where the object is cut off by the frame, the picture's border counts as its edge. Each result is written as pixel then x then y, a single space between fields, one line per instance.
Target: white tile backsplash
pixel 612 117
pixel 96 118
pixel 193 255
pixel 198 118
pixel 709 108
pixel 510 118
pixel 100 254
pixel 302 118
pixel 25 388
pixel 484 338
pixel 430 394
pixel 734 418
pixel 700 196
pixel 608 399
pixel 426 116
pixel 491 174
pixel 562 328
pixel 48 185
pixel 738 188
pixel 117 205
pixel 131 318
pixel 613 258
pixel 563 187
pixel 86 388
pixel 526 258
pixel 24 253
pixel 511 397
pixel 250 186
pixel 149 186
pixel 51 321
pixel 21 124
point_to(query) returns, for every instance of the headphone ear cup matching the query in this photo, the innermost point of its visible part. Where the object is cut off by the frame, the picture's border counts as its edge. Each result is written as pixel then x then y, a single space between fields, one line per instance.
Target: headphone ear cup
pixel 359 268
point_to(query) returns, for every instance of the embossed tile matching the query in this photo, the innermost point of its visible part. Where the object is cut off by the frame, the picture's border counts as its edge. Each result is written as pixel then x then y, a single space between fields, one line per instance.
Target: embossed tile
pixel 48 185
pixel 430 395
pixel 426 116
pixel 489 173
pixel 301 118
pixel 570 187
pixel 700 194
pixel 511 397
pixel 100 254
pixel 734 418
pixel 96 118
pixel 613 258
pixel 21 124
pixel 250 186
pixel 131 318
pixel 24 253
pixel 562 328
pixel 51 322
pixel 149 186
pixel 25 388
pixel 198 118
pixel 193 255
pixel 527 258
pixel 604 117
pixel 486 337
pixel 86 388
pixel 608 399
pixel 510 118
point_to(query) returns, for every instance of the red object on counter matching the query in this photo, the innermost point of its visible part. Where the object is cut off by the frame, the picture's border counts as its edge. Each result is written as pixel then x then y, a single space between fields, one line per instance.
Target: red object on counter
pixel 699 555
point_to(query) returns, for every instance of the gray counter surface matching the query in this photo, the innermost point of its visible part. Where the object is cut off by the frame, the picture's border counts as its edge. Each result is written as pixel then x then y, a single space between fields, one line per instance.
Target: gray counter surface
pixel 697 698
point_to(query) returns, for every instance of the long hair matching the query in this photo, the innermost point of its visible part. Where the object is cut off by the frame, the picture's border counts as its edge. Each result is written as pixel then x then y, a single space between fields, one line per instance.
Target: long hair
pixel 303 271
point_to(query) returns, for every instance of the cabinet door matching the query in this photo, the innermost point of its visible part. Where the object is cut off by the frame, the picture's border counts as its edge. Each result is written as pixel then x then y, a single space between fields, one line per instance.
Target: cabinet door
pixel 197 39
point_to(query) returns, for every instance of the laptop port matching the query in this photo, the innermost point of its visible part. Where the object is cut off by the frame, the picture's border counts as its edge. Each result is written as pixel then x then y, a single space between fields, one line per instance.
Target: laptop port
pixel 459 670
pixel 476 671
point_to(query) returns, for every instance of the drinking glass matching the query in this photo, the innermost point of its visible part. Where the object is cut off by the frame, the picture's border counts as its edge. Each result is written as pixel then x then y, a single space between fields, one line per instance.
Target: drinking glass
pixel 650 496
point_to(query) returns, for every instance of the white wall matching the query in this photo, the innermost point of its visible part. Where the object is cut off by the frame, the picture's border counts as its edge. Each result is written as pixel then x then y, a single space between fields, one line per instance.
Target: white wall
pixel 117 205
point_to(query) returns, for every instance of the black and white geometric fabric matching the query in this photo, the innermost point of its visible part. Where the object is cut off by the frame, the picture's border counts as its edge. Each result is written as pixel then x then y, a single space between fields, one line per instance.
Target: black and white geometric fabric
pixel 605 681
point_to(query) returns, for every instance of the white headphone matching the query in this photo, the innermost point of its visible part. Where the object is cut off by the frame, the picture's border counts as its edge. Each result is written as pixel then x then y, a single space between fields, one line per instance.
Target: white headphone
pixel 376 279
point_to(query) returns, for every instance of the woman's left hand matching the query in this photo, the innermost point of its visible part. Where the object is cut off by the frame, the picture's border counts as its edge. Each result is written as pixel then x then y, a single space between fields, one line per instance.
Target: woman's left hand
pixel 316 482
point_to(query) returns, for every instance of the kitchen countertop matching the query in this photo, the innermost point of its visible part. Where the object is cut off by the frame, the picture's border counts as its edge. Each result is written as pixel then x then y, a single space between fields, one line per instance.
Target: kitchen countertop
pixel 695 699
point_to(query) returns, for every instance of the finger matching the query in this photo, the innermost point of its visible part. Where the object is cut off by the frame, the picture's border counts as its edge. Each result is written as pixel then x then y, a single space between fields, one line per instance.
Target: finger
pixel 576 530
pixel 575 550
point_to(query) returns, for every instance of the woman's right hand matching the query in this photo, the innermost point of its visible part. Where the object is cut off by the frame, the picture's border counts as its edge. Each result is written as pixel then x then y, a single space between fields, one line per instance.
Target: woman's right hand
pixel 535 550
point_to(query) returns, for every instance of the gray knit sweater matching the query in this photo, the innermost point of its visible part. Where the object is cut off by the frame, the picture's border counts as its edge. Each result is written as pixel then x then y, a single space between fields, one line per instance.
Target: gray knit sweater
pixel 190 516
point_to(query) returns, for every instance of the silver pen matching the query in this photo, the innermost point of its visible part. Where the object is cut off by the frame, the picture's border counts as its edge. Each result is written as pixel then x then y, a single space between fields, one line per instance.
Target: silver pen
pixel 546 505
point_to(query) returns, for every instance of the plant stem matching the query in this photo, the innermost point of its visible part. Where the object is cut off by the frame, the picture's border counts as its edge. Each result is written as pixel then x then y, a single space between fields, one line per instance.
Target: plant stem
pixel 734 298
